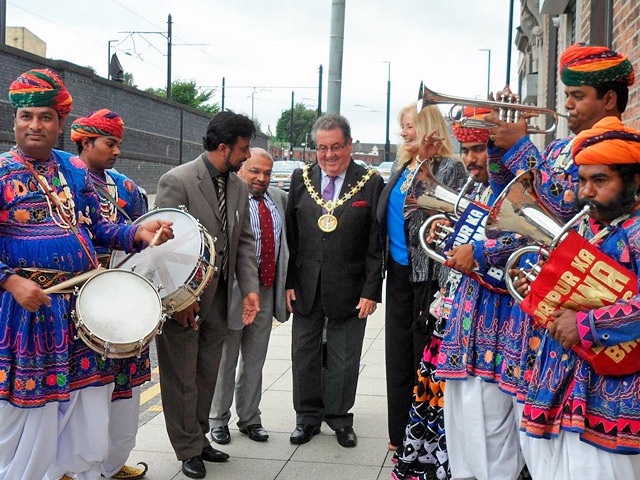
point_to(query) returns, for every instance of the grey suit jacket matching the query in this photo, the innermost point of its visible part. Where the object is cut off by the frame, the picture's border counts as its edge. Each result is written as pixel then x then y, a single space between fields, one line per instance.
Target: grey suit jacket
pixel 191 185
pixel 279 301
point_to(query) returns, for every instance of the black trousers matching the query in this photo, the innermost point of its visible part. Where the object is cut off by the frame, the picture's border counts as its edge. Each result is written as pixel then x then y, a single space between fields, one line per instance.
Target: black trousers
pixel 404 345
pixel 325 394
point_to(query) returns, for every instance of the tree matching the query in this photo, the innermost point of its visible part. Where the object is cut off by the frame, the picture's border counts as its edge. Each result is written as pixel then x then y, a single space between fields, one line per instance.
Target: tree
pixel 128 80
pixel 303 120
pixel 188 93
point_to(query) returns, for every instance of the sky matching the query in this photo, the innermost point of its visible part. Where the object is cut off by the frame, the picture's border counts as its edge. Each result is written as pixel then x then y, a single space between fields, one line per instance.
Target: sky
pixel 265 50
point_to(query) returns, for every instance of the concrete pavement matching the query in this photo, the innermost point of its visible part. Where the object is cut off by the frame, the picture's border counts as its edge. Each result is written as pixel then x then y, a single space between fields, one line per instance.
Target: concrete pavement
pixel 320 459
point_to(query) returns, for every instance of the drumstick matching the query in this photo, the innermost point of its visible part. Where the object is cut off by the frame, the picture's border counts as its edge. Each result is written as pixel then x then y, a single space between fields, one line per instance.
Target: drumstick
pixel 72 282
pixel 153 242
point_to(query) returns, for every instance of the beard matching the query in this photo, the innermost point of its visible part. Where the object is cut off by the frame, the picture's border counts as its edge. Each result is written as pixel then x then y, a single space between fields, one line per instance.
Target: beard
pixel 620 205
pixel 231 168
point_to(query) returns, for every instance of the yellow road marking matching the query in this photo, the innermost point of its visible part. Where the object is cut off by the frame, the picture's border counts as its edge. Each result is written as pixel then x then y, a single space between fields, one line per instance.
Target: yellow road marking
pixel 152 391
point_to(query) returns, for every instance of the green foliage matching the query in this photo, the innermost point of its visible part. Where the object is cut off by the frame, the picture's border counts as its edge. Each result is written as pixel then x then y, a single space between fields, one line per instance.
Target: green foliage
pixel 188 93
pixel 128 80
pixel 303 120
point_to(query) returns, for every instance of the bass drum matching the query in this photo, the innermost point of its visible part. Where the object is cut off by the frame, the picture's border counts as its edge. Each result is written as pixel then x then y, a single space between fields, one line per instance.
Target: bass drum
pixel 180 268
pixel 117 313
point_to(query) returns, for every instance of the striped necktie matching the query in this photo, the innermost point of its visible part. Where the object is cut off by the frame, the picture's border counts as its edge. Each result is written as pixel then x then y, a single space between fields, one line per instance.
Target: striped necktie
pixel 221 190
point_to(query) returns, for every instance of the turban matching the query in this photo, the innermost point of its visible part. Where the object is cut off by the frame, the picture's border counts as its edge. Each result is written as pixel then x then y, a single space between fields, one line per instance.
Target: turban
pixel 592 65
pixel 469 134
pixel 608 142
pixel 40 88
pixel 102 123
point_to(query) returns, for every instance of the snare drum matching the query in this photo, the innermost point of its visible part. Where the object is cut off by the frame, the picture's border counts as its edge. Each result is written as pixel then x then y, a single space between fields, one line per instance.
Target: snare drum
pixel 180 268
pixel 117 313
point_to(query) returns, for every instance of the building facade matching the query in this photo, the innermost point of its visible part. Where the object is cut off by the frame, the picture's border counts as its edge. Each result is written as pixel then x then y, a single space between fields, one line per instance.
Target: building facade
pixel 548 27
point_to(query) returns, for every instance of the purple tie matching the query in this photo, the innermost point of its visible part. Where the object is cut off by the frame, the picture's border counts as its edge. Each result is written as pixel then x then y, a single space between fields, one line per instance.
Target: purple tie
pixel 329 190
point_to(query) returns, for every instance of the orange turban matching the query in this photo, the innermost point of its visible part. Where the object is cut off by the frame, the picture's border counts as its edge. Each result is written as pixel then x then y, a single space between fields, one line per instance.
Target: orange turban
pixel 470 134
pixel 609 142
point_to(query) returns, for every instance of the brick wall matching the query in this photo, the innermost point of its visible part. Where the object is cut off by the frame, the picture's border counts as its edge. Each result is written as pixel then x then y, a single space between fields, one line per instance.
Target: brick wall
pixel 626 39
pixel 153 140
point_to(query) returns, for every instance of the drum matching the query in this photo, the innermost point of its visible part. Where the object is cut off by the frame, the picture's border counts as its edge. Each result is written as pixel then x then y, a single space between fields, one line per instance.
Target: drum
pixel 180 268
pixel 117 313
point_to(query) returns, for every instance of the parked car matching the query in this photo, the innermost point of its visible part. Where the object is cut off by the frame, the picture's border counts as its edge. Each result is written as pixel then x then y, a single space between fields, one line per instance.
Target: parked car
pixel 384 169
pixel 282 171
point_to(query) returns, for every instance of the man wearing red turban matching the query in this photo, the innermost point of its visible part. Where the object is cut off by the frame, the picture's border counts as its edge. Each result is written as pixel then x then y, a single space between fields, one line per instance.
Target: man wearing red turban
pixel 98 137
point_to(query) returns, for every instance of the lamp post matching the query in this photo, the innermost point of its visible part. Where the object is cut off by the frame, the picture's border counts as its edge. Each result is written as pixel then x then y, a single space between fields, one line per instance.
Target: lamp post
pixel 488 50
pixel 387 144
pixel 304 147
pixel 109 59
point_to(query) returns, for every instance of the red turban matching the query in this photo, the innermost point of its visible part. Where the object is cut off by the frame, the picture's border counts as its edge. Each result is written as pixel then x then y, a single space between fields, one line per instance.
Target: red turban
pixel 582 64
pixel 470 134
pixel 608 142
pixel 102 123
pixel 40 88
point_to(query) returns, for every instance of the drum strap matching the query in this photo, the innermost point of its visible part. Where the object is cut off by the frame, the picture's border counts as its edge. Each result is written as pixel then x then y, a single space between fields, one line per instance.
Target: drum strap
pixel 45 277
pixel 103 193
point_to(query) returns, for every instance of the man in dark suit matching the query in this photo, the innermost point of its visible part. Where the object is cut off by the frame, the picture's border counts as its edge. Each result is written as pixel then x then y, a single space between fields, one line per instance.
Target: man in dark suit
pixel 334 279
pixel 267 206
pixel 190 347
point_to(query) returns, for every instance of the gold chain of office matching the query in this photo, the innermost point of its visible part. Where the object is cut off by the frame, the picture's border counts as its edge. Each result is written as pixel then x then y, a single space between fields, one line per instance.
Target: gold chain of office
pixel 328 222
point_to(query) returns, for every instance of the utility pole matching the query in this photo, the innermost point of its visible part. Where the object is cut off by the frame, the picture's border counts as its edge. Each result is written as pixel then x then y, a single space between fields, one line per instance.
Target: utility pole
pixel 320 91
pixel 3 22
pixel 291 143
pixel 336 48
pixel 387 144
pixel 169 22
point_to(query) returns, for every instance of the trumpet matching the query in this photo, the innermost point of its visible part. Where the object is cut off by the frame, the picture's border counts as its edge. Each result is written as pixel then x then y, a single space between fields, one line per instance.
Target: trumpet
pixel 507 112
pixel 520 210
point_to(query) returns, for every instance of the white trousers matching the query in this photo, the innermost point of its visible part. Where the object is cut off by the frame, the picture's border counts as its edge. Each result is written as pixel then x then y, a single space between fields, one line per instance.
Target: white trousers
pixel 482 434
pixel 27 445
pixel 83 440
pixel 566 457
pixel 123 427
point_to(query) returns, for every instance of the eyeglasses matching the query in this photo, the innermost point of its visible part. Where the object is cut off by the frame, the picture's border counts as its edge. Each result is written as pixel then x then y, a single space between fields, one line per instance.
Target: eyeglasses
pixel 255 171
pixel 335 148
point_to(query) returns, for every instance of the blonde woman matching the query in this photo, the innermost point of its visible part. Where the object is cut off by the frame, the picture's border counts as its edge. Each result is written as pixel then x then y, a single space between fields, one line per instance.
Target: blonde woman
pixel 411 281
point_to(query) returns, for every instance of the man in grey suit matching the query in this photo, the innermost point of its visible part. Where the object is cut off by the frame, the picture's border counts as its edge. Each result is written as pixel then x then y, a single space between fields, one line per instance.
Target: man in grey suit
pixel 190 347
pixel 252 340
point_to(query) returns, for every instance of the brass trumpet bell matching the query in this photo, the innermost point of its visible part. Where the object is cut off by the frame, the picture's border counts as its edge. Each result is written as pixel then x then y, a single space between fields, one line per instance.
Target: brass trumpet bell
pixel 427 193
pixel 519 209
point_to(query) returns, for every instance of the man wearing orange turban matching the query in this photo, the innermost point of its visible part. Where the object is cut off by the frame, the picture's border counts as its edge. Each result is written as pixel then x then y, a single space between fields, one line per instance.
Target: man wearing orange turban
pixel 597 81
pixel 586 425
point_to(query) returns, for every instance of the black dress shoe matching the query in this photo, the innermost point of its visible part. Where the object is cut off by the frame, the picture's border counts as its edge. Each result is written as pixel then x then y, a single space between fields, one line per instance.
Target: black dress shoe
pixel 346 437
pixel 210 454
pixel 303 433
pixel 220 435
pixel 194 467
pixel 256 432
